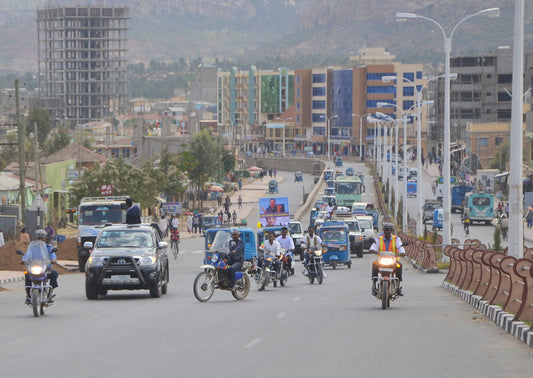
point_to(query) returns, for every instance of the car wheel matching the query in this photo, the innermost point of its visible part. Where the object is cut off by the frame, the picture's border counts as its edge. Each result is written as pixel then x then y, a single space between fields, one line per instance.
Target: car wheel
pixel 157 289
pixel 102 291
pixel 360 252
pixel 165 285
pixel 91 291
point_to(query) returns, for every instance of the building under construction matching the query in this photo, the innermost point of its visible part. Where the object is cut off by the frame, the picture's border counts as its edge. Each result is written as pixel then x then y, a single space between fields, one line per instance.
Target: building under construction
pixel 82 61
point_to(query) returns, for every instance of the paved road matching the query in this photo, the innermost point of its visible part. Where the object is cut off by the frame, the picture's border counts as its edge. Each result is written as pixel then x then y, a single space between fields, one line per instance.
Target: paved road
pixel 336 329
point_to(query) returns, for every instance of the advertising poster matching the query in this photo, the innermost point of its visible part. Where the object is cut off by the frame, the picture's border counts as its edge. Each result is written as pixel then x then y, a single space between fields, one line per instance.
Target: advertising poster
pixel 274 211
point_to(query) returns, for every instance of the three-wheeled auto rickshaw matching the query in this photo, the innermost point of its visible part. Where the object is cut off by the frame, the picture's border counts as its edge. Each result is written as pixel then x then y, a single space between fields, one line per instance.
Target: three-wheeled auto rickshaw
pixel 246 234
pixel 411 187
pixel 350 171
pixel 273 186
pixel 298 176
pixel 209 221
pixel 329 191
pixel 338 161
pixel 335 244
pixel 329 174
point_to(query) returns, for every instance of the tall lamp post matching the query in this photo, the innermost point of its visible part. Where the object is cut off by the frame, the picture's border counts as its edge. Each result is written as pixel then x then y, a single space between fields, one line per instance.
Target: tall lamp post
pixel 329 132
pixel 386 79
pixel 361 132
pixel 401 16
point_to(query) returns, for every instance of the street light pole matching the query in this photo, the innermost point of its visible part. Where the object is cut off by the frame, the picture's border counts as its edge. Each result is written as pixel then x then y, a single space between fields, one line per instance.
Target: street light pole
pixel 361 133
pixel 400 16
pixel 329 132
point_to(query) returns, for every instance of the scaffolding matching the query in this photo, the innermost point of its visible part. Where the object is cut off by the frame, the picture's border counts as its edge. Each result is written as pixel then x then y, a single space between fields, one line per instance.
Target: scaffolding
pixel 82 54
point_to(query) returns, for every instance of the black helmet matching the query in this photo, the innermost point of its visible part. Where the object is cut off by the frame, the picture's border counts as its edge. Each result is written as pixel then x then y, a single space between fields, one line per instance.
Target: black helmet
pixel 388 227
pixel 41 234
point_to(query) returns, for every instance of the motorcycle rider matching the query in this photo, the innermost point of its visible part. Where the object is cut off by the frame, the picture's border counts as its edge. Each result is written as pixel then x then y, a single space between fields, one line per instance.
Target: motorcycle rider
pixel 236 256
pixel 52 274
pixel 387 242
pixel 272 248
pixel 309 244
pixel 286 243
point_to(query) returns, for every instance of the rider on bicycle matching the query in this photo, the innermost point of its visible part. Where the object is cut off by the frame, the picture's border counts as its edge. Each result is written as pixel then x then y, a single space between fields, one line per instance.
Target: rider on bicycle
pixel 466 221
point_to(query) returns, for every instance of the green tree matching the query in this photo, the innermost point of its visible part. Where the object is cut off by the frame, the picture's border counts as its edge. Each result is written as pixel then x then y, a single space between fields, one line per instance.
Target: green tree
pixel 44 125
pixel 501 158
pixel 228 160
pixel 126 180
pixel 56 141
pixel 206 153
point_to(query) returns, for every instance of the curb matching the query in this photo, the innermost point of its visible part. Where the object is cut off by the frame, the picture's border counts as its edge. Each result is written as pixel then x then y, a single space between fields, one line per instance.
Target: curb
pixel 503 319
pixel 12 279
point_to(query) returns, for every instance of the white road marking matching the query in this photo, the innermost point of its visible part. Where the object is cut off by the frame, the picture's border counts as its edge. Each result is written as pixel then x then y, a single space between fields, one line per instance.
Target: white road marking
pixel 197 252
pixel 252 343
pixel 281 315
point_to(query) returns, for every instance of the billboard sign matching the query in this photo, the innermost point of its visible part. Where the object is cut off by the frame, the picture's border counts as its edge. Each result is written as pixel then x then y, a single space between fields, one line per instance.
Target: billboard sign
pixel 274 211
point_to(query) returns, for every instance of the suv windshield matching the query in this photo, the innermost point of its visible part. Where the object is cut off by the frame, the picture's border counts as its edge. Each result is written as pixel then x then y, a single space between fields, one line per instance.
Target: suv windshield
pixel 101 214
pixel 352 226
pixel 125 238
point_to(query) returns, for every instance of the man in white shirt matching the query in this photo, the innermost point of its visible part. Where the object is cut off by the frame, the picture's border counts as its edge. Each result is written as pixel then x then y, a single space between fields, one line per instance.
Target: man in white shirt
pixel 286 243
pixel 271 248
pixel 175 222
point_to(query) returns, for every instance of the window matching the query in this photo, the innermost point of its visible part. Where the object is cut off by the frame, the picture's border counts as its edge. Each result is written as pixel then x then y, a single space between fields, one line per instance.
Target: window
pixel 297 105
pixel 297 118
pixel 418 75
pixel 378 76
pixel 319 78
pixel 505 79
pixel 319 91
pixel 498 141
pixel 407 104
pixel 483 142
pixel 319 104
pixel 409 76
pixel 504 96
pixel 318 117
pixel 297 79
pixel 408 91
pixel 319 131
pixel 298 92
pixel 380 89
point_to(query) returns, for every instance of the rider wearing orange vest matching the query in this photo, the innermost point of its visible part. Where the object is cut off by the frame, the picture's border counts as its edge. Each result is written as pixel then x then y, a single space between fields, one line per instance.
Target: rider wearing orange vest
pixel 388 242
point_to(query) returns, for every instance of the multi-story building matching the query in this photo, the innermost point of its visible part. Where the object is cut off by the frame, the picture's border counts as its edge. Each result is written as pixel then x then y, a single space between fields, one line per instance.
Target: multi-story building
pixel 82 60
pixel 480 94
pixel 248 100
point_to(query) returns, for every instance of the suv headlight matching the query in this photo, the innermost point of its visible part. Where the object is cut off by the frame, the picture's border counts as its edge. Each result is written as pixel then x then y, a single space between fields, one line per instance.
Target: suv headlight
pixel 97 261
pixel 147 260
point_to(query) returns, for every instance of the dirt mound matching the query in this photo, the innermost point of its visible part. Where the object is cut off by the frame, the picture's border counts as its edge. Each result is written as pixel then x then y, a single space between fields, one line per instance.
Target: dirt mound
pixel 9 260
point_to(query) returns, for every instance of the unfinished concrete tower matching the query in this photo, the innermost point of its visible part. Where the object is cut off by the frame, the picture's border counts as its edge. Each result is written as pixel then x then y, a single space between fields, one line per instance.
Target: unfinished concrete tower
pixel 82 61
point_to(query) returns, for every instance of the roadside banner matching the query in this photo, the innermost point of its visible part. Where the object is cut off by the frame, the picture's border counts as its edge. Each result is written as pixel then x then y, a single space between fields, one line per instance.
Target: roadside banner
pixel 274 211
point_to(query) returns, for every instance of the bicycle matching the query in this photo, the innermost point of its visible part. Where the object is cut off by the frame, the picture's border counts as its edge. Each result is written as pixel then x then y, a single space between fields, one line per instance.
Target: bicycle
pixel 174 243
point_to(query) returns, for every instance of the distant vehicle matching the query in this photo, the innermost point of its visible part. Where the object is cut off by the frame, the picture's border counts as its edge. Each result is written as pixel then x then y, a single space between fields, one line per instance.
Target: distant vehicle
pixel 348 189
pixel 273 186
pixel 367 229
pixel 413 173
pixel 338 162
pixel 298 176
pixel 335 244
pixel 331 200
pixel 401 172
pixel 458 196
pixel 329 174
pixel 359 208
pixel 356 236
pixel 350 171
pixel 297 234
pixel 329 191
pixel 480 207
pixel 428 208
pixel 438 218
pixel 411 187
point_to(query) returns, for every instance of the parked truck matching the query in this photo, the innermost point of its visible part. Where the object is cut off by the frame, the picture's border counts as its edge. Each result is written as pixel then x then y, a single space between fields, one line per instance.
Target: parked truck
pixel 458 195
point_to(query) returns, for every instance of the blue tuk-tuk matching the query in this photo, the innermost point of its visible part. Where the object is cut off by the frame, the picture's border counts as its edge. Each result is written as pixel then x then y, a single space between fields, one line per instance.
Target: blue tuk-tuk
pixel 350 171
pixel 298 176
pixel 312 217
pixel 329 191
pixel 247 235
pixel 209 221
pixel 273 186
pixel 411 188
pixel 438 218
pixel 336 244
pixel 338 161
pixel 330 184
pixel 329 174
pixel 375 217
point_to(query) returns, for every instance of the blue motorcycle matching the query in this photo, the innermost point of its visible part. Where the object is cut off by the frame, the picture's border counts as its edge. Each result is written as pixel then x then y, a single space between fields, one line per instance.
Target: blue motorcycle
pixel 215 273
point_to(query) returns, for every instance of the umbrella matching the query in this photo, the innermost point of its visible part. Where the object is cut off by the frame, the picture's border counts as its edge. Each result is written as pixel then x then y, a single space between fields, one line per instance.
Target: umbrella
pixel 215 188
pixel 254 168
pixel 188 213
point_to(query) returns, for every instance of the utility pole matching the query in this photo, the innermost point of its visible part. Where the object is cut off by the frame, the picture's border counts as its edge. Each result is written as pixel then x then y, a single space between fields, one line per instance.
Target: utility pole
pixel 20 132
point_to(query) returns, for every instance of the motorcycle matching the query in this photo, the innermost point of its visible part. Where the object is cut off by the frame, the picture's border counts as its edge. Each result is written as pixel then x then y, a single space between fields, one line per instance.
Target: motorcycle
pixel 40 290
pixel 315 267
pixel 386 285
pixel 216 272
pixel 265 273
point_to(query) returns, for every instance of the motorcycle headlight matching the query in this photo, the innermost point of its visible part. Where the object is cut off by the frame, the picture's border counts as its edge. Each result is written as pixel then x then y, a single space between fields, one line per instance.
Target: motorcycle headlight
pixel 96 261
pixel 147 260
pixel 318 252
pixel 387 261
pixel 214 258
pixel 36 269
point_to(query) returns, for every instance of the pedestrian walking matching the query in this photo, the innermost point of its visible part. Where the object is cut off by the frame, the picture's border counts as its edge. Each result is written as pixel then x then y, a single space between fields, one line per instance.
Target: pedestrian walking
pixel 234 216
pixel 188 221
pixel 529 217
pixel 195 224
pixel 239 201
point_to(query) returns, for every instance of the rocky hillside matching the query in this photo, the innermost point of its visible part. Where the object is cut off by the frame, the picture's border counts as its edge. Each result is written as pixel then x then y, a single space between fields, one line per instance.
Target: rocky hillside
pixel 251 31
